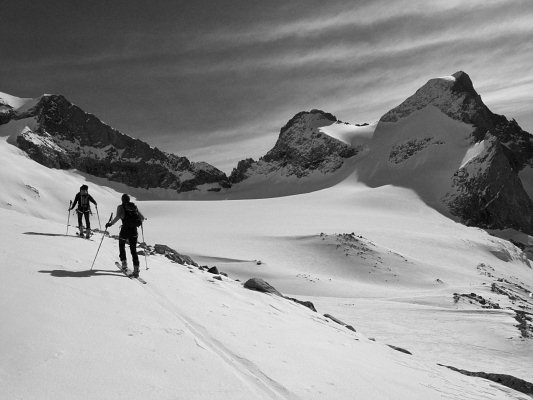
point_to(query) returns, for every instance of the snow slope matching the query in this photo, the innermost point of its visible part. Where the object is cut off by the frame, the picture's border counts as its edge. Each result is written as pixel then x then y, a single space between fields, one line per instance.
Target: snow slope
pixel 71 333
pixel 421 152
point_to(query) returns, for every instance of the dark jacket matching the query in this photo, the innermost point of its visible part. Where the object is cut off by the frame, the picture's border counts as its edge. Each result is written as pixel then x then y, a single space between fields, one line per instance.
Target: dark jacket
pixel 83 207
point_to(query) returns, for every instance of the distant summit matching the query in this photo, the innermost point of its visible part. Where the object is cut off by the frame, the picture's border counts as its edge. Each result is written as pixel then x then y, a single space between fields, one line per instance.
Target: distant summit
pixel 455 96
pixel 446 144
pixel 59 134
pixel 302 149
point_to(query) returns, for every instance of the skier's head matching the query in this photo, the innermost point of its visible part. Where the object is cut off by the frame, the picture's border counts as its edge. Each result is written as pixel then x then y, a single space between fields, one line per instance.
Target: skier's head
pixel 125 198
pixel 84 188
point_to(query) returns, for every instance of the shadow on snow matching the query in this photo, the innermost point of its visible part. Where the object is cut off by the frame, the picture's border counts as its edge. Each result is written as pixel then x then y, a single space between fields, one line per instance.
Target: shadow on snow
pixel 61 273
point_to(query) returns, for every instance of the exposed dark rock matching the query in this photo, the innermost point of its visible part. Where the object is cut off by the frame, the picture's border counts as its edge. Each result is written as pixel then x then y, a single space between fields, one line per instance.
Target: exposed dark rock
pixel 400 349
pixel 486 192
pixel 510 381
pixel 307 304
pixel 239 173
pixel 338 321
pixel 525 323
pixel 261 285
pixel 213 270
pixel 173 255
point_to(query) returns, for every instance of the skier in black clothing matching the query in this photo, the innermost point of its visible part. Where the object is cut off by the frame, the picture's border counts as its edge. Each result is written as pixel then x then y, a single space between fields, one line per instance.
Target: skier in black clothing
pixel 83 200
pixel 131 219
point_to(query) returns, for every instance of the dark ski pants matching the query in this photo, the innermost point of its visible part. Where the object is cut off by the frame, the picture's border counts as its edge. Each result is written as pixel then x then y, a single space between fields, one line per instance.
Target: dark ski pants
pixel 130 235
pixel 87 221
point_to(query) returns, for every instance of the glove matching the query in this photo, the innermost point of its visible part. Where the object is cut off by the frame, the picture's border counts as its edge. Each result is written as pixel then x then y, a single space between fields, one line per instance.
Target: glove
pixel 107 225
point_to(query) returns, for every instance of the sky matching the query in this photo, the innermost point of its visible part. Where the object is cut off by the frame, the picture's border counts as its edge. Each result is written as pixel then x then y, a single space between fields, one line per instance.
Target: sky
pixel 216 80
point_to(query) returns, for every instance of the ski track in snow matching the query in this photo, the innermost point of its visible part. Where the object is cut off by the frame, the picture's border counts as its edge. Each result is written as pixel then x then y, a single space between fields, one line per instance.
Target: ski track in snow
pixel 244 369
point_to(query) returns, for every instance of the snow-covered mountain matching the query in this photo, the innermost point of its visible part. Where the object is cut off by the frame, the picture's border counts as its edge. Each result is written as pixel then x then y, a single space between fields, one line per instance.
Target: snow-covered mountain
pixel 58 134
pixel 445 144
pixel 442 142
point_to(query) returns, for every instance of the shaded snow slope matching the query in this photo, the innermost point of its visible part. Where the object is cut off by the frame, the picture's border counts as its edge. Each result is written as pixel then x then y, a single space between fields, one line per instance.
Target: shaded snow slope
pixel 421 152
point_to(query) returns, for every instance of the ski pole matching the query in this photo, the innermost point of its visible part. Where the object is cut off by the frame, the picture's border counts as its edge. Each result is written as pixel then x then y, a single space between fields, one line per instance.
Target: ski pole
pixel 68 218
pixel 99 224
pixel 103 236
pixel 144 250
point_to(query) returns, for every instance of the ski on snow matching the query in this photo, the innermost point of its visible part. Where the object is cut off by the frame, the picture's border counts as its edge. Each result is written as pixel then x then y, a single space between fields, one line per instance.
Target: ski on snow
pixel 129 273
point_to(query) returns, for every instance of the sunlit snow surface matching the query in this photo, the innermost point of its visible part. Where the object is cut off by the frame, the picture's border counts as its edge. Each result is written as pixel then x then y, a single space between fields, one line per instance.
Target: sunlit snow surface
pixel 377 258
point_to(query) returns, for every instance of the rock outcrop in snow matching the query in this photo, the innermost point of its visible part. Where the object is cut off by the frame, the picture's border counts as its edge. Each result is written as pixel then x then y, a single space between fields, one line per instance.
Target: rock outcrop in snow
pixel 300 150
pixel 487 192
pixel 58 134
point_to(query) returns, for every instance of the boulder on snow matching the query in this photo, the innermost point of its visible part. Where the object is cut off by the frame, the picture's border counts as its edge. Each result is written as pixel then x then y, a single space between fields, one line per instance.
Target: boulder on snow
pixel 213 270
pixel 338 321
pixel 400 349
pixel 261 285
pixel 173 255
pixel 307 304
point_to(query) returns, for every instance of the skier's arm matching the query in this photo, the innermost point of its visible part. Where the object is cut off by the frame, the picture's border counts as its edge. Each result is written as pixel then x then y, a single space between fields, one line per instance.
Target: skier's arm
pixel 92 200
pixel 140 214
pixel 120 214
pixel 76 199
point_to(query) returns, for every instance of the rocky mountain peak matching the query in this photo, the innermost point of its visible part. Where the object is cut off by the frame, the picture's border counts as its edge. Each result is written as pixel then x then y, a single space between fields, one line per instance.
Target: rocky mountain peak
pixel 313 119
pixel 463 83
pixel 59 134
pixel 453 95
pixel 301 149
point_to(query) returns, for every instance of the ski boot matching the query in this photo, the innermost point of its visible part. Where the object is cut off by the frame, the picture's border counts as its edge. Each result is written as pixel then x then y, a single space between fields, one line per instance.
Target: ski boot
pixel 124 264
pixel 80 233
pixel 87 233
pixel 135 271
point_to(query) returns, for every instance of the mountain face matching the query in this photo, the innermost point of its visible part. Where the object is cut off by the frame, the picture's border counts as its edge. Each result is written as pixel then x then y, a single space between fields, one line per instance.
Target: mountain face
pixel 58 134
pixel 456 97
pixel 468 157
pixel 487 192
pixel 300 150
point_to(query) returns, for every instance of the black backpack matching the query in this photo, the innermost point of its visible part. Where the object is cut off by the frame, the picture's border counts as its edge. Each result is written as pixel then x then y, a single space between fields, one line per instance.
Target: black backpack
pixel 131 219
pixel 84 202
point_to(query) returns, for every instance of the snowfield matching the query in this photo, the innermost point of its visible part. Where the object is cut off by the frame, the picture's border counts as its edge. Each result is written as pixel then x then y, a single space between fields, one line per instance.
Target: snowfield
pixel 378 259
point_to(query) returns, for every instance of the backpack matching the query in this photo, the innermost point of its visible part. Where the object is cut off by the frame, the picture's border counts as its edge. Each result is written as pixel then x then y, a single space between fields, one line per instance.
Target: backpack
pixel 131 219
pixel 84 202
